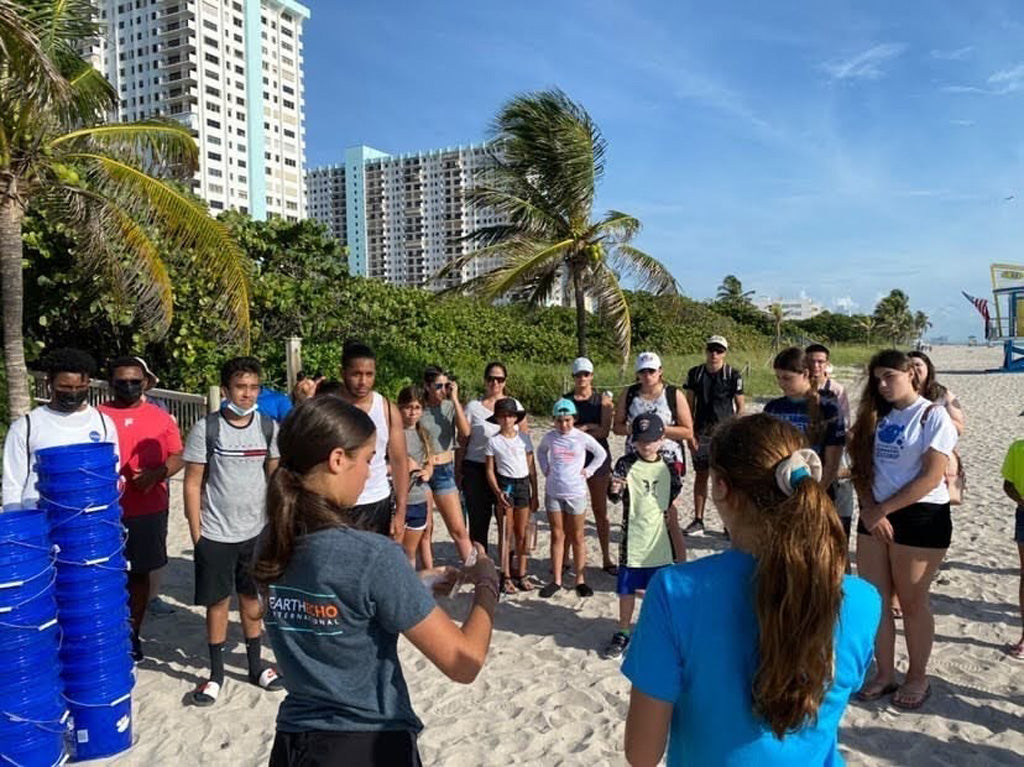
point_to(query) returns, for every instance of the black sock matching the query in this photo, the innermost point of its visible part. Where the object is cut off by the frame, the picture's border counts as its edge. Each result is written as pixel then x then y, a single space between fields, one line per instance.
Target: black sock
pixel 217 663
pixel 252 652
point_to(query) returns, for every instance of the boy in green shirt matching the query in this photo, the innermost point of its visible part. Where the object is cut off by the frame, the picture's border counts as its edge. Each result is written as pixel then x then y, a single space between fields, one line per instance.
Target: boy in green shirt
pixel 1013 486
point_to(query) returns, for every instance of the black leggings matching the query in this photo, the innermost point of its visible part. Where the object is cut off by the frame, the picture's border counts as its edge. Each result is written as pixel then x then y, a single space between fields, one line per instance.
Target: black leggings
pixel 479 500
pixel 388 748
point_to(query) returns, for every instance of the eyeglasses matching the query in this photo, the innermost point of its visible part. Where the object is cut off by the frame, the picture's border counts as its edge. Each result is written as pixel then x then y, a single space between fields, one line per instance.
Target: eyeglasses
pixel 715 350
pixel 495 379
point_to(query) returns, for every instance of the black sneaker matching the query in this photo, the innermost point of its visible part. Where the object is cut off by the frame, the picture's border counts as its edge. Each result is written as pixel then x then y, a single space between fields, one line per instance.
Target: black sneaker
pixel 550 590
pixel 617 646
pixel 695 528
pixel 583 590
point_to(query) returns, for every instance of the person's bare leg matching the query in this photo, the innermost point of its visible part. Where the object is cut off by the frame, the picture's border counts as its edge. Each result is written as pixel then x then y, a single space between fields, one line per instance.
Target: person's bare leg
pixel 451 512
pixel 558 541
pixel 521 522
pixel 574 534
pixel 598 486
pixel 138 599
pixel 411 544
pixel 873 566
pixel 913 569
pixel 426 547
pixel 1018 649
pixel 700 493
pixel 217 622
pixel 251 615
pixel 626 604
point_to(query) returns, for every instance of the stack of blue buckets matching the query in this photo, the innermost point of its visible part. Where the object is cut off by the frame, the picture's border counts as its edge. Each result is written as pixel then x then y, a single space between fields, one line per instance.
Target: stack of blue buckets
pixel 33 715
pixel 78 489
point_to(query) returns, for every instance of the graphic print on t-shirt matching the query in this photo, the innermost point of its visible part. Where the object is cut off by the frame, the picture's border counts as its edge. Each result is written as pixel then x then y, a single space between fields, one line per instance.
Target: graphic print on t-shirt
pixel 291 609
pixel 890 438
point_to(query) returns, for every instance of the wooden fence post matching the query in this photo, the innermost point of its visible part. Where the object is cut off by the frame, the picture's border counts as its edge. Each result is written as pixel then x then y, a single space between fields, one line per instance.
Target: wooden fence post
pixel 293 360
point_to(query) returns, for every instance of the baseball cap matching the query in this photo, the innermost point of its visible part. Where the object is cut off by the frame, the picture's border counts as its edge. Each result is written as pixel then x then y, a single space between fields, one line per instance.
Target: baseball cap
pixel 564 407
pixel 717 341
pixel 647 361
pixel 582 365
pixel 647 427
pixel 506 406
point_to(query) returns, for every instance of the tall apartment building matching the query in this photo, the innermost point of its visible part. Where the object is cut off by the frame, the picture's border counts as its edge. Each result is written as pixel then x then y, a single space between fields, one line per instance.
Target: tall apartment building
pixel 232 71
pixel 402 217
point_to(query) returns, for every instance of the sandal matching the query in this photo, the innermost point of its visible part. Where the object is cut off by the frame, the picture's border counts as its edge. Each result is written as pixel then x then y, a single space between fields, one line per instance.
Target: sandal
pixel 523 584
pixel 268 680
pixel 1016 650
pixel 911 701
pixel 205 694
pixel 508 586
pixel 864 696
pixel 611 569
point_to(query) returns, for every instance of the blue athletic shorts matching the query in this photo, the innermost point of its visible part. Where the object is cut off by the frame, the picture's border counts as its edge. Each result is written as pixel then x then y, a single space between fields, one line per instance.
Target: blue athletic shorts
pixel 442 479
pixel 634 579
pixel 1018 532
pixel 416 516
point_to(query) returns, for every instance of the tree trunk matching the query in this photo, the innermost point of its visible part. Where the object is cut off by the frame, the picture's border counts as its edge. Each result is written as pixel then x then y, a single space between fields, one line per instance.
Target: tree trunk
pixel 581 313
pixel 11 215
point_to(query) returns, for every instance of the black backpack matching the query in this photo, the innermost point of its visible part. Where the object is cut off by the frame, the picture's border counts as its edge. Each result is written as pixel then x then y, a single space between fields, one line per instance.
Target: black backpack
pixel 213 432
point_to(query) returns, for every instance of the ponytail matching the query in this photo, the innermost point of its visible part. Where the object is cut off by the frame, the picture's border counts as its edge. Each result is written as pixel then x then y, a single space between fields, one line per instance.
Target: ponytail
pixel 801 560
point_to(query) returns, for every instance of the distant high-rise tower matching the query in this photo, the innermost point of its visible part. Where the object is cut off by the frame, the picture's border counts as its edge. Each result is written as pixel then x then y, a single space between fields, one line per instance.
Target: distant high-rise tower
pixel 232 71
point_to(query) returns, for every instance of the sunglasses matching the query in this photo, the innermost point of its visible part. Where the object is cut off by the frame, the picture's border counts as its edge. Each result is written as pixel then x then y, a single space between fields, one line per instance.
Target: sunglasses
pixel 582 374
pixel 715 350
pixel 495 379
pixel 440 386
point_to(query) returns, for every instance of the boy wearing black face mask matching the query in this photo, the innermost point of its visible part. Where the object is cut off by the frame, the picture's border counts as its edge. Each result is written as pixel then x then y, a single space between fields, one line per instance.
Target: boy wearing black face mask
pixel 67 419
pixel 151 451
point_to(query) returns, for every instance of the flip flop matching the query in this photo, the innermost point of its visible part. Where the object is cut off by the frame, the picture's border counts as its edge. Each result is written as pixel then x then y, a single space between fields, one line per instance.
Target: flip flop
pixel 507 586
pixel 523 584
pixel 205 694
pixel 915 702
pixel 611 569
pixel 269 680
pixel 1015 651
pixel 867 697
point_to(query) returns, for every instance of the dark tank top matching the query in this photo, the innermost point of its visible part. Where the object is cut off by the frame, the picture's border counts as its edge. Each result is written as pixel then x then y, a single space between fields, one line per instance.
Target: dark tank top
pixel 589 411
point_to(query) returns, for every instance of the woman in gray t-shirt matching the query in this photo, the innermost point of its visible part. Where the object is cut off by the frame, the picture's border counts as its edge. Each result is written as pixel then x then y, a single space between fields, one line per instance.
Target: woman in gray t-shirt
pixel 337 597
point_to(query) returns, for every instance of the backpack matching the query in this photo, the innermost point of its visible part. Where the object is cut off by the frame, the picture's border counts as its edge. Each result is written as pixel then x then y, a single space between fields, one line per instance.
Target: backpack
pixel 956 476
pixel 213 434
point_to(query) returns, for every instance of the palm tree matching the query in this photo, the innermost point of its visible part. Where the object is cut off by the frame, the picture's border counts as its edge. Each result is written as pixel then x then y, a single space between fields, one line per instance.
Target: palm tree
pixel 731 290
pixel 777 315
pixel 548 156
pixel 868 325
pixel 103 181
pixel 921 323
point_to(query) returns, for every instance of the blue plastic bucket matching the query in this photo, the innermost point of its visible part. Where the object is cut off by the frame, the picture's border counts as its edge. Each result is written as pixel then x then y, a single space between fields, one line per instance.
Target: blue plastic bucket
pixel 101 729
pixel 34 746
pixel 33 723
pixel 70 482
pixel 102 611
pixel 65 458
pixel 103 541
pixel 19 593
pixel 79 509
pixel 24 537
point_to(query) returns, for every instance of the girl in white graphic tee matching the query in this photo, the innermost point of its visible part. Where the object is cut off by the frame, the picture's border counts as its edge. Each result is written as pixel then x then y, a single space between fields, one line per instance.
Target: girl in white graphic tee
pixel 562 454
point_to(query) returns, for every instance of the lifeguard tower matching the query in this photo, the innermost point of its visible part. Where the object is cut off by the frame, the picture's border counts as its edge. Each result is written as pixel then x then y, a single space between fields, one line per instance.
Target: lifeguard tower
pixel 1008 324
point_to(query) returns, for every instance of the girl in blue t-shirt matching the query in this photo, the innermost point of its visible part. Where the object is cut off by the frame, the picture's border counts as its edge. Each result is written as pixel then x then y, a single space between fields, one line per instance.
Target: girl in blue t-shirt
pixel 793 635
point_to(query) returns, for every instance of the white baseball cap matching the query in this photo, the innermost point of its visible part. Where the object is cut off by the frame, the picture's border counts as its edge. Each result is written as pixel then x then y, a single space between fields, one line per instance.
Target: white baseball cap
pixel 648 361
pixel 717 341
pixel 582 365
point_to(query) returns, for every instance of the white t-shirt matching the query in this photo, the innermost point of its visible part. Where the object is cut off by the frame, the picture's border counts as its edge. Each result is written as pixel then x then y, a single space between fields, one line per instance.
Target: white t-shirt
pixel 50 428
pixel 900 444
pixel 562 457
pixel 480 429
pixel 509 455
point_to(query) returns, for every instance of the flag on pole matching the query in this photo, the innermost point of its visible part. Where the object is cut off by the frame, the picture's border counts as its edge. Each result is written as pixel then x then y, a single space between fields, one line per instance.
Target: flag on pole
pixel 981 305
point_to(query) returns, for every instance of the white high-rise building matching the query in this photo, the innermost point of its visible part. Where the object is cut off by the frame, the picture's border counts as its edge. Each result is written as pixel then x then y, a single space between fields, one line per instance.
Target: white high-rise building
pixel 232 71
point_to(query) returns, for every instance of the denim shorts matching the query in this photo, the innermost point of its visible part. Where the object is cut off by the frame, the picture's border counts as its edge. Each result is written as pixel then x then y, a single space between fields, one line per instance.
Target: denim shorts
pixel 1018 532
pixel 442 479
pixel 634 579
pixel 416 516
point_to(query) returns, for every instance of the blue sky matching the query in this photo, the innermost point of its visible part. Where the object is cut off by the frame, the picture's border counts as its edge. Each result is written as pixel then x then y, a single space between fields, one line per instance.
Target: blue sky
pixel 837 148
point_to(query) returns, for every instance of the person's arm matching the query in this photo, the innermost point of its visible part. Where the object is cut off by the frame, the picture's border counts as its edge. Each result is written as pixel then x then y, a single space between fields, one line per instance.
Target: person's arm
pixel 461 422
pixel 531 464
pixel 619 425
pixel 1011 491
pixel 598 455
pixel 933 471
pixel 193 493
pixel 542 454
pixel 492 480
pixel 682 431
pixel 149 478
pixel 459 653
pixel 830 465
pixel 738 402
pixel 956 413
pixel 603 429
pixel 16 468
pixel 675 534
pixel 397 458
pixel 647 725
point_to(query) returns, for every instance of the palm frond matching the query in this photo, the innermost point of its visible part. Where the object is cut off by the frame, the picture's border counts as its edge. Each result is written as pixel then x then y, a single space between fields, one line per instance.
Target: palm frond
pixel 615 227
pixel 94 98
pixel 523 267
pixel 646 272
pixel 161 144
pixel 183 221
pixel 28 66
pixel 611 302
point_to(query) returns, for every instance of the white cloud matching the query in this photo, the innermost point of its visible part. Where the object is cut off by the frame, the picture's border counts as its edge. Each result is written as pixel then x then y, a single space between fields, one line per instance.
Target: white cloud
pixel 845 304
pixel 962 123
pixel 866 65
pixel 999 83
pixel 957 54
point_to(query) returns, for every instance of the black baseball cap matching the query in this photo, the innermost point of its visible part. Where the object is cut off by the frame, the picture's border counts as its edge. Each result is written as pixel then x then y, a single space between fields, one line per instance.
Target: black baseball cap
pixel 647 427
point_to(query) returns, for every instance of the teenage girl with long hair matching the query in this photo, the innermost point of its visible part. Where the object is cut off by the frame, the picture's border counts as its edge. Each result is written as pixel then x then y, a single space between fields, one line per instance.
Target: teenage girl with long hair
pixel 337 597
pixel 933 391
pixel 417 445
pixel 900 447
pixel 793 634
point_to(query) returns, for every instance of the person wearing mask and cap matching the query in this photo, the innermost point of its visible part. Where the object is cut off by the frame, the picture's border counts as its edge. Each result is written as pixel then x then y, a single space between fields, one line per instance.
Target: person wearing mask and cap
pixel 714 391
pixel 67 419
pixel 151 452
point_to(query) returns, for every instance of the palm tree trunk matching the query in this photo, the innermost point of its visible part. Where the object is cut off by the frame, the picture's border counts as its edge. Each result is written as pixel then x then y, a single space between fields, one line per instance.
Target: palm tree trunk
pixel 11 215
pixel 581 313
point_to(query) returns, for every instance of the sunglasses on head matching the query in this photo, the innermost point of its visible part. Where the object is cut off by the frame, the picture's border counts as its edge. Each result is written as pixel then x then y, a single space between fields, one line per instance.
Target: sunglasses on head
pixel 495 379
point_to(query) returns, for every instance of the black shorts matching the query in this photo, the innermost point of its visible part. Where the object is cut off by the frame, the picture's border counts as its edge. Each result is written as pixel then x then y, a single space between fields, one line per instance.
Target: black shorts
pixel 388 748
pixel 223 569
pixel 923 525
pixel 519 489
pixel 146 546
pixel 374 517
pixel 702 455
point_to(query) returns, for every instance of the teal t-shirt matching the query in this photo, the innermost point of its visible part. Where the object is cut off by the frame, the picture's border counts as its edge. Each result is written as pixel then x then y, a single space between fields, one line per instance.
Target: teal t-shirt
pixel 695 646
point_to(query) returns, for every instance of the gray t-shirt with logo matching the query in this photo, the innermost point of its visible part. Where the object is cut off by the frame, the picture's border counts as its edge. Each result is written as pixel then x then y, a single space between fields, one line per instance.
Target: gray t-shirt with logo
pixel 333 620
pixel 439 422
pixel 235 487
pixel 415 451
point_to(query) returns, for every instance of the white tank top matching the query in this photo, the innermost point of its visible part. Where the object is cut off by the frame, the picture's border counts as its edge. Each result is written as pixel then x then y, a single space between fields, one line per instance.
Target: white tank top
pixel 377 486
pixel 658 405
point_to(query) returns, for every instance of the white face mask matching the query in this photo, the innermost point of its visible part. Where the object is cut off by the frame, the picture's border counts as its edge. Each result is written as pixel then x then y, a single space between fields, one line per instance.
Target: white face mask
pixel 242 412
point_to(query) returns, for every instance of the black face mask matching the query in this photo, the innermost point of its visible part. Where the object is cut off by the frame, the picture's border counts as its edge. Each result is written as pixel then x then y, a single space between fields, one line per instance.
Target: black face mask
pixel 69 401
pixel 127 391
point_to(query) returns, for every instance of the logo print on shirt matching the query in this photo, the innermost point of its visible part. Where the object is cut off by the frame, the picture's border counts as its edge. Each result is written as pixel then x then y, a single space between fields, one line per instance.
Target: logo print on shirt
pixel 889 440
pixel 94 436
pixel 650 486
pixel 299 610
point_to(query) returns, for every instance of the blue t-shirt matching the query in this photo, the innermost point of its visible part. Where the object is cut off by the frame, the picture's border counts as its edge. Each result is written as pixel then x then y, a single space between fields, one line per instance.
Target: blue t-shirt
pixel 333 620
pixel 794 411
pixel 695 646
pixel 274 403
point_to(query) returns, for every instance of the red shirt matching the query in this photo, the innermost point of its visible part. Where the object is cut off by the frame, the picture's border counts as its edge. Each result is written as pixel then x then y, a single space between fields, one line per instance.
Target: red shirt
pixel 146 436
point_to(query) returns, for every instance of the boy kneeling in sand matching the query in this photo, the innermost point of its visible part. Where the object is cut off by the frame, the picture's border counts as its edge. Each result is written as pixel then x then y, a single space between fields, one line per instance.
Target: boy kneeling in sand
pixel 1013 486
pixel 648 484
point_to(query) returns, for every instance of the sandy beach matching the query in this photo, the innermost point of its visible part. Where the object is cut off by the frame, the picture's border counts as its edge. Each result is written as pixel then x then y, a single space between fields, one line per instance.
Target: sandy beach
pixel 545 697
